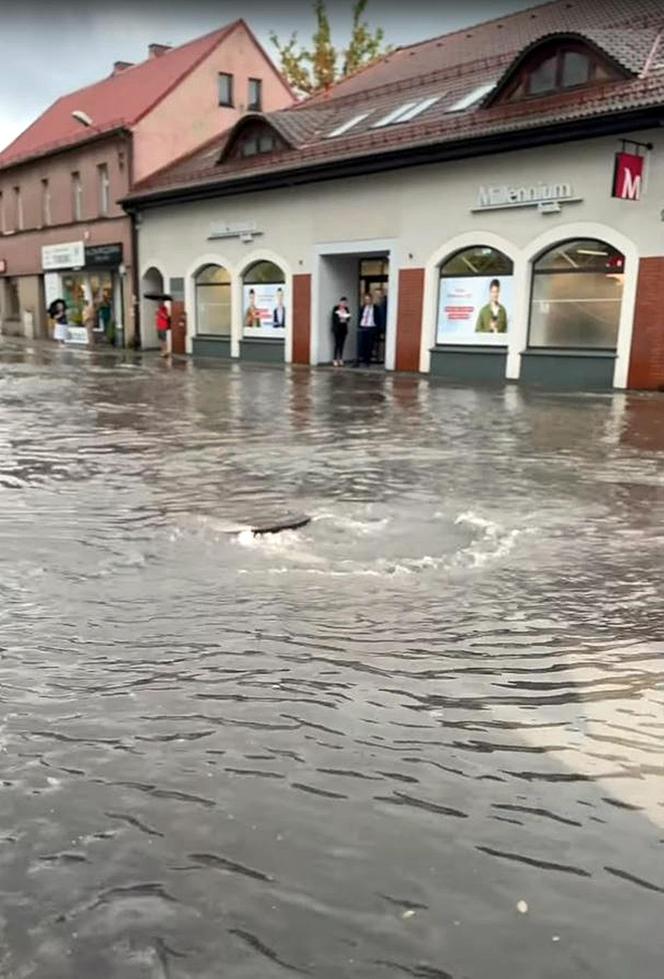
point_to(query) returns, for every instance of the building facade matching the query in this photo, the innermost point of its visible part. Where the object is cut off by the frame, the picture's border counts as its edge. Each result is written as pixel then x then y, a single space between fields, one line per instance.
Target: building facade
pixel 62 232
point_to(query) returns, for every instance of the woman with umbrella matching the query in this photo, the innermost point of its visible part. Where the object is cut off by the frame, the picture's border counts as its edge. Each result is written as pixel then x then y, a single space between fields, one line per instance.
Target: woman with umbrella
pixel 58 313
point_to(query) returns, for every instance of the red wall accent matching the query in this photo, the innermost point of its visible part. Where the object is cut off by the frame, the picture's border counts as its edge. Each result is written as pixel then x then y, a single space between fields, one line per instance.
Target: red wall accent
pixel 301 318
pixel 409 319
pixel 646 366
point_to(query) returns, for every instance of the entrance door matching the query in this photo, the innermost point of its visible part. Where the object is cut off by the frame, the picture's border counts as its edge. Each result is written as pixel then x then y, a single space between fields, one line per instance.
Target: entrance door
pixel 374 275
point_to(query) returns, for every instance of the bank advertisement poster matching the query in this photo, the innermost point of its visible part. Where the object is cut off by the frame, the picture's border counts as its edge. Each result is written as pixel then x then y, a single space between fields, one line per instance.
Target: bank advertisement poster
pixel 475 309
pixel 264 314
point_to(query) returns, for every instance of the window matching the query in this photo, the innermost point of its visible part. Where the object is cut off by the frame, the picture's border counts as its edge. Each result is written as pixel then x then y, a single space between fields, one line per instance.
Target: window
pixel 406 112
pixel 349 124
pixel 77 196
pixel 393 115
pixel 225 83
pixel 557 67
pixel 577 296
pixel 18 209
pixel 213 301
pixel 104 188
pixel 476 298
pixel 12 300
pixel 46 202
pixel 468 100
pixel 254 102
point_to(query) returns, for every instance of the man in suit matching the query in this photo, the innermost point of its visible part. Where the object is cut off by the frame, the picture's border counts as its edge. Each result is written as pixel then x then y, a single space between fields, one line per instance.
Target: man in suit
pixel 279 311
pixel 366 331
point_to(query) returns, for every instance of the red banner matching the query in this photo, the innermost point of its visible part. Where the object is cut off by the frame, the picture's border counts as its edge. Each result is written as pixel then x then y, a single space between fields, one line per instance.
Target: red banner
pixel 628 176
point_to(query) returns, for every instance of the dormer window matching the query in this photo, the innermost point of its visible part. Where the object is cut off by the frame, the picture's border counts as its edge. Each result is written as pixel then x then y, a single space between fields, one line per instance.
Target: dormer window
pixel 557 66
pixel 254 137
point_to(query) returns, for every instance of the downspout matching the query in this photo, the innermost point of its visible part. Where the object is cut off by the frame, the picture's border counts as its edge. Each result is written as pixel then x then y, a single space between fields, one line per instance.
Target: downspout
pixel 135 282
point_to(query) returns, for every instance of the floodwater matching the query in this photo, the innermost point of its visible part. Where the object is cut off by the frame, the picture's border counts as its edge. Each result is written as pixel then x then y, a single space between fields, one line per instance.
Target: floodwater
pixel 421 737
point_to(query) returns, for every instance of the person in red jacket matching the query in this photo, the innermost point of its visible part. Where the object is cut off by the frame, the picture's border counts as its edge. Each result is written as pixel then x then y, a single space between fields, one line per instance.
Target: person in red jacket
pixel 163 320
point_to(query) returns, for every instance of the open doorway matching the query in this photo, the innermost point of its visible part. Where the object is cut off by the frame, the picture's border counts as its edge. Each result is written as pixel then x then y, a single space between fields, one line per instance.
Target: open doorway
pixel 152 283
pixel 352 275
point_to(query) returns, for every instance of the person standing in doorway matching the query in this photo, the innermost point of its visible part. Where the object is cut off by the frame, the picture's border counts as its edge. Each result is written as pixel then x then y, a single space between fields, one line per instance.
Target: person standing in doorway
pixel 340 320
pixel 163 323
pixel 366 332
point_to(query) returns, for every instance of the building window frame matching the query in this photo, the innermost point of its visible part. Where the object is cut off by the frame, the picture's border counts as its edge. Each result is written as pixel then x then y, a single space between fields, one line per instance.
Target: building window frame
pixel 18 209
pixel 519 87
pixel 615 267
pixel 255 95
pixel 225 89
pixel 104 185
pixel 209 277
pixel 47 219
pixel 76 196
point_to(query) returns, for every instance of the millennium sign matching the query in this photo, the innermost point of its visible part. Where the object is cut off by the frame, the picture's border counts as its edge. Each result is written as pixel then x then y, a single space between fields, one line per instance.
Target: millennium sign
pixel 545 197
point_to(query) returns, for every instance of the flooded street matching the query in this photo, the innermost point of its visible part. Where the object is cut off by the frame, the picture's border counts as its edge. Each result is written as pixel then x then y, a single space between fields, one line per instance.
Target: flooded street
pixel 349 750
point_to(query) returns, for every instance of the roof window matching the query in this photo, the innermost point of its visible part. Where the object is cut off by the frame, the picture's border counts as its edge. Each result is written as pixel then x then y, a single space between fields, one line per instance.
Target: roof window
pixel 471 98
pixel 407 112
pixel 556 66
pixel 344 127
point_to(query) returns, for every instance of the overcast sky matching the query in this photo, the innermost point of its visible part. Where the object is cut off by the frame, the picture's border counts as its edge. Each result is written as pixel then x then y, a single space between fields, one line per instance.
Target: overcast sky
pixel 48 48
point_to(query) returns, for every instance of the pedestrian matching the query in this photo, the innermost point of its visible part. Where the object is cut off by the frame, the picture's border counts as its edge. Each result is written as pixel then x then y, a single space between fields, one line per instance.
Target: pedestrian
pixel 340 320
pixel 58 313
pixel 163 321
pixel 366 332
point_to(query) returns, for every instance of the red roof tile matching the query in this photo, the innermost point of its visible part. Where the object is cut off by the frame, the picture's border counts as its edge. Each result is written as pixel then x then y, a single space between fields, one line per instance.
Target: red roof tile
pixel 117 101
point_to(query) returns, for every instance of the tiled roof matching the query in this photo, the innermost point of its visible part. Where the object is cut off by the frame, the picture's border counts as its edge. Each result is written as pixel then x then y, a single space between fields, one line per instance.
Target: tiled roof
pixel 638 48
pixel 116 101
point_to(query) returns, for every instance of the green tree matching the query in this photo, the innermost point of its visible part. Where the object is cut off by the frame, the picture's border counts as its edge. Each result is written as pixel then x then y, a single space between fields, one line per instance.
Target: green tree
pixel 313 69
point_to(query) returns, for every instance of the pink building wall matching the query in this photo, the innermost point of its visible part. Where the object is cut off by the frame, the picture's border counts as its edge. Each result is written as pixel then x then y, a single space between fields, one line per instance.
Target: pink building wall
pixel 191 115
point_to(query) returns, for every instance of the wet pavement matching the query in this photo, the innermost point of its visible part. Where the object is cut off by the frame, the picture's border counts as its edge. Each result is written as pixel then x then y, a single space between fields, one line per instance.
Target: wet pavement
pixel 421 737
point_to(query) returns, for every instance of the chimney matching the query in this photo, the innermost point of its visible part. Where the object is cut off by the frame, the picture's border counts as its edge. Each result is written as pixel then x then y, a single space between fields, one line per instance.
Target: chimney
pixel 156 50
pixel 119 66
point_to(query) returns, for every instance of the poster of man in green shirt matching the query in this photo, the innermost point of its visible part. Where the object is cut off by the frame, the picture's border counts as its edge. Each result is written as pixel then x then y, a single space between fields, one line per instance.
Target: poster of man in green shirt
pixel 492 318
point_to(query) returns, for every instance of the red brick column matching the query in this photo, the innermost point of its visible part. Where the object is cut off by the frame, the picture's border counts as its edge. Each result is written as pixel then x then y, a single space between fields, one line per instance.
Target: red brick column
pixel 301 318
pixel 646 364
pixel 409 319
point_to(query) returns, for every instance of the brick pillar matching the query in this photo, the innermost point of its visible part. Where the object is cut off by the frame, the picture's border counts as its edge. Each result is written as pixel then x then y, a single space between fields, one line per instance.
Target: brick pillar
pixel 409 319
pixel 301 318
pixel 646 363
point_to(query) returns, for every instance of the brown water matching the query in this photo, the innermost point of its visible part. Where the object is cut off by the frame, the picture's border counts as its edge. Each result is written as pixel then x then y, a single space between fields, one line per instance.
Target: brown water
pixel 344 751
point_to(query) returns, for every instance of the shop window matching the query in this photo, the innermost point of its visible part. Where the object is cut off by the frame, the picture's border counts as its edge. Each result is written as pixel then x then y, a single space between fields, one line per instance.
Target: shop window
pixel 263 301
pixel 557 66
pixel 475 299
pixel 225 88
pixel 12 302
pixel 576 297
pixel 255 99
pixel 213 301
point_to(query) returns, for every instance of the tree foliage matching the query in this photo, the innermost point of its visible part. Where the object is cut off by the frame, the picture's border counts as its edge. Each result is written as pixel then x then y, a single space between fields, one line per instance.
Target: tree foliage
pixel 315 68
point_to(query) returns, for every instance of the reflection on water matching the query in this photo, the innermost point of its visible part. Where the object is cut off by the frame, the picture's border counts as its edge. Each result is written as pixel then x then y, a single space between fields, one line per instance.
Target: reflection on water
pixel 348 750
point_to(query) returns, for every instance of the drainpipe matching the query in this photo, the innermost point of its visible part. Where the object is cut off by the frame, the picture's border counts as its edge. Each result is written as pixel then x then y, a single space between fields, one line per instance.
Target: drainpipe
pixel 135 282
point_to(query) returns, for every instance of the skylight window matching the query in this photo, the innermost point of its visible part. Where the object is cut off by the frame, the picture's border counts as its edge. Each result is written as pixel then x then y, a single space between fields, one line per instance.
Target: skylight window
pixel 417 109
pixel 466 101
pixel 394 115
pixel 344 127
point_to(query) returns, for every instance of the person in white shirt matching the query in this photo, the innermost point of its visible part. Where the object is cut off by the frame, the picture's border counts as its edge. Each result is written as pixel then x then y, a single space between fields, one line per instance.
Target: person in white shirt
pixel 366 331
pixel 340 321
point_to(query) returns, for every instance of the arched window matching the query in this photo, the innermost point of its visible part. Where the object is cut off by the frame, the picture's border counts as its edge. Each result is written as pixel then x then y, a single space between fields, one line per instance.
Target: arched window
pixel 475 297
pixel 556 66
pixel 264 309
pixel 213 301
pixel 577 295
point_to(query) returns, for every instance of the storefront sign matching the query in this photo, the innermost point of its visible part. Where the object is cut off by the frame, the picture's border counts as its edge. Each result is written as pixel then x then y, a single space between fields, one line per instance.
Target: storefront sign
pixel 103 256
pixel 245 230
pixel 264 311
pixel 544 197
pixel 475 310
pixel 628 176
pixel 77 336
pixel 68 255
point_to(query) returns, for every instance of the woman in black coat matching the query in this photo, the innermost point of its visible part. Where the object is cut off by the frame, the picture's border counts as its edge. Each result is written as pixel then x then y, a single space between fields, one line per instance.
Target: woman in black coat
pixel 340 320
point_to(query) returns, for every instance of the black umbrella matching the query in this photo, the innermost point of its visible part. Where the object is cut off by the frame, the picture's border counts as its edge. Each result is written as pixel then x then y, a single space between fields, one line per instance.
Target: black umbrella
pixel 160 297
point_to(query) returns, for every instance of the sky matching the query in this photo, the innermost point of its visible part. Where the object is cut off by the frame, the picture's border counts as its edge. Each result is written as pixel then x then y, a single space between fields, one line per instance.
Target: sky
pixel 51 47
